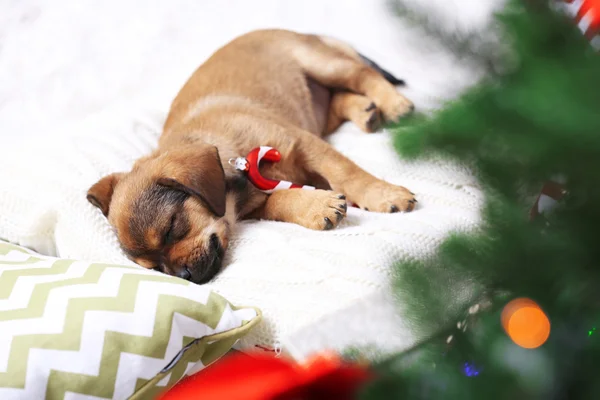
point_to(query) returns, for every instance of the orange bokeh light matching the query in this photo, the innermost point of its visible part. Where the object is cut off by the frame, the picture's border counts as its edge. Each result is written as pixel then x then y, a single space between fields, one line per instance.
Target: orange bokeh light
pixel 525 323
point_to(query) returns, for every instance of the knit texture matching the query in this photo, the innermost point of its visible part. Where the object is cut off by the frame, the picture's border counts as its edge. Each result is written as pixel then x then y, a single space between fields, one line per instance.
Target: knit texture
pixel 99 104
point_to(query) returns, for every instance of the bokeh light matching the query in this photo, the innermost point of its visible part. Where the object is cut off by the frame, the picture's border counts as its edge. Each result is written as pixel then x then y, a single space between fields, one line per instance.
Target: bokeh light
pixel 525 323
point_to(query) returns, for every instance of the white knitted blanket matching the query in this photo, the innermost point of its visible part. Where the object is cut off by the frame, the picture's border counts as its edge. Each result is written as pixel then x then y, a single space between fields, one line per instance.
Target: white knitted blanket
pixel 86 86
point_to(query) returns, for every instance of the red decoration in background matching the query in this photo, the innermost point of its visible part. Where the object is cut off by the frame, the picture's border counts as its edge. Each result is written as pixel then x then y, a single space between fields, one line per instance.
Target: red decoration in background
pixel 588 17
pixel 552 192
pixel 262 377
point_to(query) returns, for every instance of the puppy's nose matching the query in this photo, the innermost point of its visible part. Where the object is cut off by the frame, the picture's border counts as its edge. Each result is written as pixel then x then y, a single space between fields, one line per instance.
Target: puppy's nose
pixel 209 266
pixel 412 108
pixel 184 273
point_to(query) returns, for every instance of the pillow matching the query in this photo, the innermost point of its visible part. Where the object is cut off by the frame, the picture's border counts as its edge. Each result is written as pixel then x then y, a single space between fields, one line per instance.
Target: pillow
pixel 73 329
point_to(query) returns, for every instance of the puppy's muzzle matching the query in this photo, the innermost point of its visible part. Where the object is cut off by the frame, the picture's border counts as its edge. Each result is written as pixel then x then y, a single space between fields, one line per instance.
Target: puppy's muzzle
pixel 207 266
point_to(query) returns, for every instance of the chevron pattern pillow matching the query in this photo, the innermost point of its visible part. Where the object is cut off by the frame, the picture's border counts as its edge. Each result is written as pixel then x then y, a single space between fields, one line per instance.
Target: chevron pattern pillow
pixel 72 329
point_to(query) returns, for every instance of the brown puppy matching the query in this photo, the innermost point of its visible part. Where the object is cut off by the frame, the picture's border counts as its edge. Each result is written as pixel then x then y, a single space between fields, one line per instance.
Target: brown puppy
pixel 175 209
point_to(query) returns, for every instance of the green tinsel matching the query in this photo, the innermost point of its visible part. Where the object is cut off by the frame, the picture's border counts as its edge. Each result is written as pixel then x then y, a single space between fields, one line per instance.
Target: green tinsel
pixel 538 117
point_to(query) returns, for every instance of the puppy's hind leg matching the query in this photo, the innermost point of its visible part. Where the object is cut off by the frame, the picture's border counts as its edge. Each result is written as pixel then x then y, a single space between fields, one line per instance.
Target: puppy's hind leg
pixel 336 65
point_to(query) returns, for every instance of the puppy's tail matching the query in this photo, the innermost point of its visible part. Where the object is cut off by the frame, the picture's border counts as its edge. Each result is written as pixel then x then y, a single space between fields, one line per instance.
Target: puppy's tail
pixel 387 75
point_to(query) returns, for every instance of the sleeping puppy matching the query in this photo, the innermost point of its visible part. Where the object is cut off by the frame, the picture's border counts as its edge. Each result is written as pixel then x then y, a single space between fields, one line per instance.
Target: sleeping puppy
pixel 174 211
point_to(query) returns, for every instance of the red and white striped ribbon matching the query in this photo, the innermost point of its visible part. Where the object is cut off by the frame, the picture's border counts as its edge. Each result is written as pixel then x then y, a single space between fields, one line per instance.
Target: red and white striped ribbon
pixel 251 163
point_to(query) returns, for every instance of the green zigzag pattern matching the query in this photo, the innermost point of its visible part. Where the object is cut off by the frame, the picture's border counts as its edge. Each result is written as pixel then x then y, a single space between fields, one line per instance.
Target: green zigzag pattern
pixel 39 297
pixel 102 385
pixel 10 277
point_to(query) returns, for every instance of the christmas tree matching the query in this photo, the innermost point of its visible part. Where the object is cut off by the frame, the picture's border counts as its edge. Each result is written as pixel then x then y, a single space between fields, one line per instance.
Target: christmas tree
pixel 510 311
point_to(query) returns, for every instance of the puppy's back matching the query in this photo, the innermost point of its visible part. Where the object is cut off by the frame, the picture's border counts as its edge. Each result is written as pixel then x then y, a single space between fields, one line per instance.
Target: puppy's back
pixel 257 68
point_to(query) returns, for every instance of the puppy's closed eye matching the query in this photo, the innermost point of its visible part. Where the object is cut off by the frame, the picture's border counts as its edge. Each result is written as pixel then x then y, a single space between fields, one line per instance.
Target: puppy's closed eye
pixel 177 229
pixel 168 236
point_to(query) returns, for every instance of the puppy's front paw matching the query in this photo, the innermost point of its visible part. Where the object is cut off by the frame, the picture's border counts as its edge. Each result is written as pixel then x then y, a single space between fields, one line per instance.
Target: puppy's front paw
pixel 387 198
pixel 320 209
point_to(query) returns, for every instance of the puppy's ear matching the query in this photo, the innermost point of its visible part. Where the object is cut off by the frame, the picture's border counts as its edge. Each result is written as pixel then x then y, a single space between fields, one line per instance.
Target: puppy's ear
pixel 197 171
pixel 101 192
